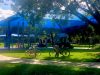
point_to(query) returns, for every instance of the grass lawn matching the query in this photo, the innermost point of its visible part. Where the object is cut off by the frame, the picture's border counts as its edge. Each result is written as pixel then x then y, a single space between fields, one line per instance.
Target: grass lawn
pixel 28 69
pixel 75 56
pixel 1 44
pixel 79 45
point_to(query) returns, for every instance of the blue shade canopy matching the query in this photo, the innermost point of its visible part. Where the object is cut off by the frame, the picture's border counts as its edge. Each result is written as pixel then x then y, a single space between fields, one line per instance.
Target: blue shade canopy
pixel 16 20
pixel 48 23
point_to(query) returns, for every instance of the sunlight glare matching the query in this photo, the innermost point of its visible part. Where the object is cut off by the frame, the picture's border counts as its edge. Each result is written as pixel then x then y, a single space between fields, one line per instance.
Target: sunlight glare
pixel 5 13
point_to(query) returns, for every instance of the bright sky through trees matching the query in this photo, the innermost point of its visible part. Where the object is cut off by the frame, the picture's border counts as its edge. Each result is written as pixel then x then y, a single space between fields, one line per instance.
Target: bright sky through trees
pixel 5 9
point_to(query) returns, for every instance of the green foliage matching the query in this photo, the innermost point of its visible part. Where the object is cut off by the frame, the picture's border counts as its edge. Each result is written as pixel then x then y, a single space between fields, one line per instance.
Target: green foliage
pixel 35 10
pixel 91 28
pixel 27 69
pixel 32 10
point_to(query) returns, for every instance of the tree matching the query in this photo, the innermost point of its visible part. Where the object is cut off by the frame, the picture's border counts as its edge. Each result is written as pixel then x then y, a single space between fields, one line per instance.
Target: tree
pixel 90 8
pixel 32 10
pixel 83 9
pixel 35 10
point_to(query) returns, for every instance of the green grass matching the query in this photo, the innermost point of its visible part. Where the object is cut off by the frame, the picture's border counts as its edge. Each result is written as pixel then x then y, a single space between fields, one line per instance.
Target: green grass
pixel 1 44
pixel 28 69
pixel 75 56
pixel 80 45
pixel 86 46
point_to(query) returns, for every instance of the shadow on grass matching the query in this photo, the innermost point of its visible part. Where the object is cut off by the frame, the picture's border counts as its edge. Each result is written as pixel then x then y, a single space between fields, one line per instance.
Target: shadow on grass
pixel 12 51
pixel 97 59
pixel 57 58
pixel 26 69
pixel 69 58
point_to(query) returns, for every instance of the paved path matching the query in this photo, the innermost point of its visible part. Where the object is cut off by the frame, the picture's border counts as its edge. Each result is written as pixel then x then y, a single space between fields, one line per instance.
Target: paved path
pixel 48 62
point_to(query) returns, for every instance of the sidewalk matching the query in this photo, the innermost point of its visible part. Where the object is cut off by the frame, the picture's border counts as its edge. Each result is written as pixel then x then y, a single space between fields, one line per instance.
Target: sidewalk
pixel 48 62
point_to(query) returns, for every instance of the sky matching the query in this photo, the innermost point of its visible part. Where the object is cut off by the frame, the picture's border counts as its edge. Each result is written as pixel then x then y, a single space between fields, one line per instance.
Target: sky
pixel 5 9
